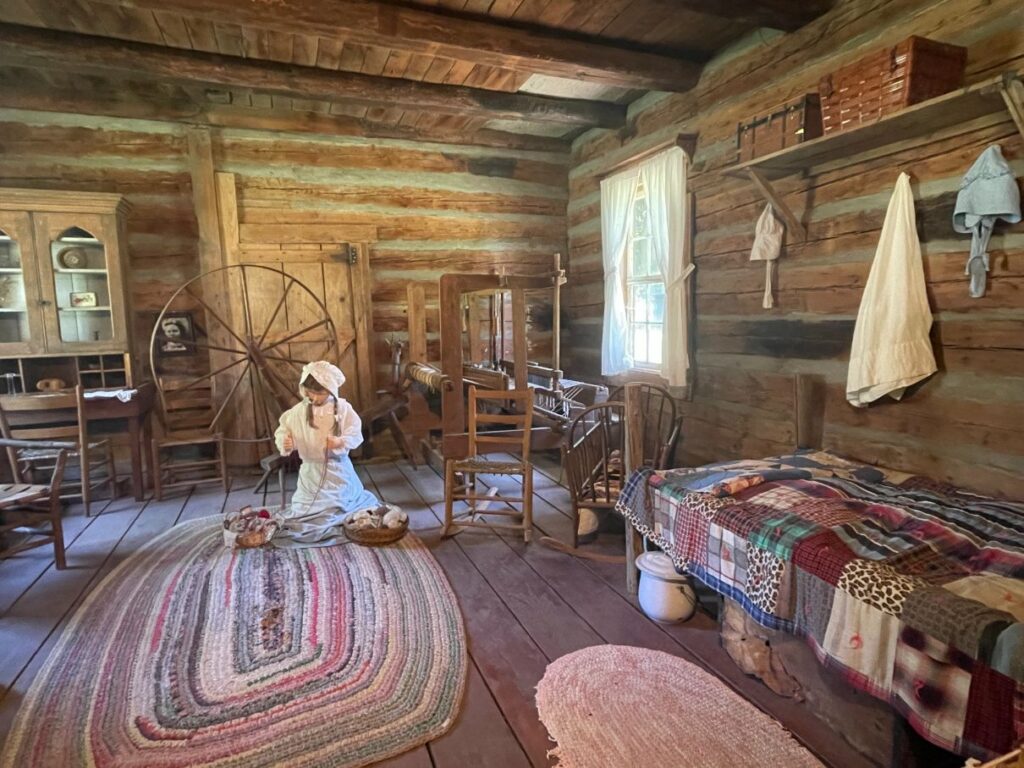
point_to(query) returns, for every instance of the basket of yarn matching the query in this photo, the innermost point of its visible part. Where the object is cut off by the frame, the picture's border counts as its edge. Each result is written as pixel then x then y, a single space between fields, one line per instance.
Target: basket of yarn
pixel 249 528
pixel 376 527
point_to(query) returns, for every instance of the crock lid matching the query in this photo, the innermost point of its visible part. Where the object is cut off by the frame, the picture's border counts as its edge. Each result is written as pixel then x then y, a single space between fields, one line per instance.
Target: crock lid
pixel 659 564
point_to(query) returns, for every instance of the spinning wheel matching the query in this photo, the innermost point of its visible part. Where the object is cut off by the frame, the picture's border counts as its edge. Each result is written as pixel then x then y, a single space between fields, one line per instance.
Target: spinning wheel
pixel 257 326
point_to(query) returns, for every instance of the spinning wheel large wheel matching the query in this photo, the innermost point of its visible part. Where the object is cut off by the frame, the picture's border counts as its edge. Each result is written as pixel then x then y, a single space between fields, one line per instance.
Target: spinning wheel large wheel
pixel 256 326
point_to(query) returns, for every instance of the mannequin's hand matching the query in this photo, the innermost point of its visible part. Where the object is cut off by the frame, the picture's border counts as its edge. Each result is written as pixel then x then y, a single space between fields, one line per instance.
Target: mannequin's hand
pixel 287 444
pixel 335 442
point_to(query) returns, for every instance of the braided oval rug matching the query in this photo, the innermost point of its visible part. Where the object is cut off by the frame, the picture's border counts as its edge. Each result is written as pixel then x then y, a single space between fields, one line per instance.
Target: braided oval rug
pixel 191 654
pixel 616 705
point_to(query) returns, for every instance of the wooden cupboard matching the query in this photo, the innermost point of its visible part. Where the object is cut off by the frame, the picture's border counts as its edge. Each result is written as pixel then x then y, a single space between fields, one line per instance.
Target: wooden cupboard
pixel 62 273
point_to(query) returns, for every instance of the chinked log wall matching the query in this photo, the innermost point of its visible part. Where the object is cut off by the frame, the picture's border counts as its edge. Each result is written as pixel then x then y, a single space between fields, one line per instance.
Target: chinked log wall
pixel 436 207
pixel 966 424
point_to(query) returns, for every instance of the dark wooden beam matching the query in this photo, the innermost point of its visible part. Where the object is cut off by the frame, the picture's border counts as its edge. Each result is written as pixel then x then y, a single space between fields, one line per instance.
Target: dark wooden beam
pixel 134 100
pixel 48 49
pixel 787 15
pixel 417 30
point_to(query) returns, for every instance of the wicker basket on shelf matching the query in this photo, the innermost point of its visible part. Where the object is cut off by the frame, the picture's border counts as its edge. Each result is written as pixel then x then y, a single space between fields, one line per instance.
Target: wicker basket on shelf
pixel 378 535
pixel 888 80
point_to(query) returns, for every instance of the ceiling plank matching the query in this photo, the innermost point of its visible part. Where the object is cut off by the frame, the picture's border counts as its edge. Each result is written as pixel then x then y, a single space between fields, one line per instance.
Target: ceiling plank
pixel 787 15
pixel 418 30
pixel 137 101
pixel 48 49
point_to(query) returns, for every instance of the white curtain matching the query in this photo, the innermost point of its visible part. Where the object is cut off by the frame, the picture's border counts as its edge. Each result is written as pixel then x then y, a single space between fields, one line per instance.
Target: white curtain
pixel 664 178
pixel 617 195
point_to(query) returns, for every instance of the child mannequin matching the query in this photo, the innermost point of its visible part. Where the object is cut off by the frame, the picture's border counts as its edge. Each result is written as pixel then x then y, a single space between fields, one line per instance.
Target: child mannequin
pixel 323 428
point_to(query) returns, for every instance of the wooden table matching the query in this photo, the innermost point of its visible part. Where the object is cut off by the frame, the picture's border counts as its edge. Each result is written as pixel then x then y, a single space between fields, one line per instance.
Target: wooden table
pixel 136 412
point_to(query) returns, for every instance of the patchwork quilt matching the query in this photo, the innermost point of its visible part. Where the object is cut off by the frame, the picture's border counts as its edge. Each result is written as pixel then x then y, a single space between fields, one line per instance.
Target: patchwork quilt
pixel 913 589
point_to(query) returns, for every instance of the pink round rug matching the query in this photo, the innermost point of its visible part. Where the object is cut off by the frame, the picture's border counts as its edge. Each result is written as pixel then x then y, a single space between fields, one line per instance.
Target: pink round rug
pixel 616 705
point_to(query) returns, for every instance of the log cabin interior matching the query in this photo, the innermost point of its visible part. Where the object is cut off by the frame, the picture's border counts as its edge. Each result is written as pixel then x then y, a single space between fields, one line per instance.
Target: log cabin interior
pixel 390 383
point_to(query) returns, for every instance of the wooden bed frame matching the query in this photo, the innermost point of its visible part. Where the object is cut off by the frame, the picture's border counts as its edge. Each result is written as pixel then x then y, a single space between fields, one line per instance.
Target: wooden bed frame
pixel 787 664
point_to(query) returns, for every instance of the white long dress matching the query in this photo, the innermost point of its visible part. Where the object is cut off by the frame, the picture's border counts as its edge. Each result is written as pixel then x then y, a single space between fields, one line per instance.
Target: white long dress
pixel 327 478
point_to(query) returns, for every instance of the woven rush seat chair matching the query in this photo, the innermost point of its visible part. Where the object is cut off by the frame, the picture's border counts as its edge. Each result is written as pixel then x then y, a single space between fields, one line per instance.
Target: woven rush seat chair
pixel 482 443
pixel 58 423
pixel 189 452
pixel 24 507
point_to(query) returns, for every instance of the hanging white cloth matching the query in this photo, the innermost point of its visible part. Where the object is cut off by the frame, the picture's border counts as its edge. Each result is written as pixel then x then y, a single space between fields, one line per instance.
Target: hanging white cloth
pixel 664 179
pixel 618 193
pixel 891 349
pixel 768 235
pixel 988 192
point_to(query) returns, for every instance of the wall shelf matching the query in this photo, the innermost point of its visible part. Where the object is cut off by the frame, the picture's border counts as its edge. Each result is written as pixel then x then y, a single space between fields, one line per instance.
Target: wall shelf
pixel 989 97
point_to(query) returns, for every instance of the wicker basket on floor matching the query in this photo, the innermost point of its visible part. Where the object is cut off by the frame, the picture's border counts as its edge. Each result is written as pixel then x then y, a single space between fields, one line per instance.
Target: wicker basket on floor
pixel 375 537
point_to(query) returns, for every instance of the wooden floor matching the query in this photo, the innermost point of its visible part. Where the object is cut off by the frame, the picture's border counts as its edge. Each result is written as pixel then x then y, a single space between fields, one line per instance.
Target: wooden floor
pixel 524 606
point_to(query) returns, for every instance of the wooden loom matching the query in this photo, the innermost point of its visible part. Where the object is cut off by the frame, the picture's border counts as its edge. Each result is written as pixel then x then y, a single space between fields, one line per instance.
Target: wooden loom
pixel 453 373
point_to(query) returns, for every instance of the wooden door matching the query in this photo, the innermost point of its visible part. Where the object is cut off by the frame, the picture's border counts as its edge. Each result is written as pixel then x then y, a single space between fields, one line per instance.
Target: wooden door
pixel 21 319
pixel 80 282
pixel 334 284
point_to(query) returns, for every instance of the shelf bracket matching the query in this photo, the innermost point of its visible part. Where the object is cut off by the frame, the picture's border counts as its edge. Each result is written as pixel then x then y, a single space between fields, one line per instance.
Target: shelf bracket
pixel 1012 91
pixel 768 192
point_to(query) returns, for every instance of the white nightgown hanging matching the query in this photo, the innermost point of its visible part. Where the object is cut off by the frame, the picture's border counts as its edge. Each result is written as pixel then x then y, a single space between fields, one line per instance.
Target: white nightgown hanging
pixel 891 349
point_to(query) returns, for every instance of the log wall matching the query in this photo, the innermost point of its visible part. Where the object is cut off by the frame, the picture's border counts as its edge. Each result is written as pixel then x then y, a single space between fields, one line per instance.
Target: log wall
pixel 966 424
pixel 436 207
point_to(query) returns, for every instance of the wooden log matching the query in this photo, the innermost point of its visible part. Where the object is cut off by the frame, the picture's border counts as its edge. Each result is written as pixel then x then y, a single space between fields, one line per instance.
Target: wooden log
pixel 48 49
pixel 414 30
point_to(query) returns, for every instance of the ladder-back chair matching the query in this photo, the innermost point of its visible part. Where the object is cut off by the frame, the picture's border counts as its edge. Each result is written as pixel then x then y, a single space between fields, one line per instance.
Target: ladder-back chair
pixel 661 425
pixel 592 454
pixel 482 443
pixel 188 453
pixel 59 420
pixel 23 507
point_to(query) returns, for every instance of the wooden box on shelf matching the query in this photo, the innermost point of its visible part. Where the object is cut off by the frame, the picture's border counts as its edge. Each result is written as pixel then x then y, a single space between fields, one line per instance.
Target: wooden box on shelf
pixel 889 80
pixel 62 273
pixel 792 123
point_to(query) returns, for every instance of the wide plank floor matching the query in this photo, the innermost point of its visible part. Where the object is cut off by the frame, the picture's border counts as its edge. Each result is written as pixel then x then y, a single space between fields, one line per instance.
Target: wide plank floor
pixel 524 606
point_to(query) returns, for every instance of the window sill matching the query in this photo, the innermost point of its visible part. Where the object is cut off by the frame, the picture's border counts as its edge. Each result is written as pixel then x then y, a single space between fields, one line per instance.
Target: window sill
pixel 647 376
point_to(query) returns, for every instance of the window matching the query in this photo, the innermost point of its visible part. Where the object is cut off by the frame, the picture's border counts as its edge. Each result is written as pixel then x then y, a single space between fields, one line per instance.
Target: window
pixel 644 290
pixel 645 253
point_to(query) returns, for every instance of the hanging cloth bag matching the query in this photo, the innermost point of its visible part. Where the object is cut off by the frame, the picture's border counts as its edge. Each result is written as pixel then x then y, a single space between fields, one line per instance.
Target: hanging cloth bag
pixel 891 349
pixel 987 193
pixel 767 247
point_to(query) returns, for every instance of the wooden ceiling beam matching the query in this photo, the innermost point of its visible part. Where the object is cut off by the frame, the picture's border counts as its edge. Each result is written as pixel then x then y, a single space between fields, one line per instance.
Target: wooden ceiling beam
pixel 48 49
pixel 135 103
pixel 787 15
pixel 418 30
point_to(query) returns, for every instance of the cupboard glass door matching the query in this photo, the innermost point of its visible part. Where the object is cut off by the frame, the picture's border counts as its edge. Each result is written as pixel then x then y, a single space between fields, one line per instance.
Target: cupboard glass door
pixel 75 268
pixel 21 329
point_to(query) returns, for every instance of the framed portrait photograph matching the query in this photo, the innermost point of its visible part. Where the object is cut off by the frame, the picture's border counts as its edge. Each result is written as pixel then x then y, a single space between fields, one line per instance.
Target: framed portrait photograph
pixel 176 328
pixel 83 299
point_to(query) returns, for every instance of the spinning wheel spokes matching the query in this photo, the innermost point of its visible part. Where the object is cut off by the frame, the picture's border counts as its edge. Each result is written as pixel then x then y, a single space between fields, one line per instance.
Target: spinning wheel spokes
pixel 229 323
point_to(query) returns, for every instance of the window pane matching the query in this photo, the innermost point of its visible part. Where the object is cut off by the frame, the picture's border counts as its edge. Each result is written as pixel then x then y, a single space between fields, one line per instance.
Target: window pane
pixel 656 296
pixel 654 341
pixel 641 221
pixel 641 258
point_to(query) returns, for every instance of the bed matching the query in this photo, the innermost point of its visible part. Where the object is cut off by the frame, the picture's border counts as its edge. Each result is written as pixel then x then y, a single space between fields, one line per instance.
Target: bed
pixel 910 588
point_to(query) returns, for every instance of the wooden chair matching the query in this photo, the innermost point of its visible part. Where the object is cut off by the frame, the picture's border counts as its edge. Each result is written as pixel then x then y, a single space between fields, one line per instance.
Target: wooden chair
pixel 188 453
pixel 520 417
pixel 23 507
pixel 592 460
pixel 58 418
pixel 662 424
